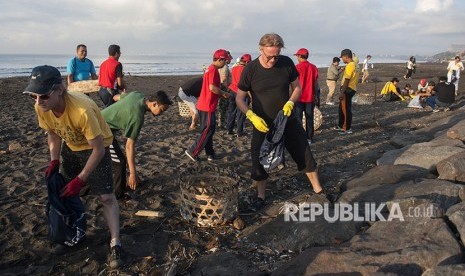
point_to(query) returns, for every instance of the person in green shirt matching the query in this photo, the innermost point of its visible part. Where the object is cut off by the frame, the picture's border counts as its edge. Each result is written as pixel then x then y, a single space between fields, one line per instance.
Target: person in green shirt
pixel 127 115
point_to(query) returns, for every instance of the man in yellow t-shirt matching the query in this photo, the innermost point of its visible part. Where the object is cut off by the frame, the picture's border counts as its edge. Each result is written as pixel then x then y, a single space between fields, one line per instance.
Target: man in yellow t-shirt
pixel 390 91
pixel 348 90
pixel 85 157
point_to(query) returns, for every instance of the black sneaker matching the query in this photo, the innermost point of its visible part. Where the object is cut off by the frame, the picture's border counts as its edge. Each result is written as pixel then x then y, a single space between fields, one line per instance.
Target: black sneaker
pixel 257 204
pixel 115 260
pixel 323 194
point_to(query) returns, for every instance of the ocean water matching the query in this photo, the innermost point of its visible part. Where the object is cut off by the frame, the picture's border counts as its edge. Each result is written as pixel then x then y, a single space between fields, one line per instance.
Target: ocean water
pixel 15 65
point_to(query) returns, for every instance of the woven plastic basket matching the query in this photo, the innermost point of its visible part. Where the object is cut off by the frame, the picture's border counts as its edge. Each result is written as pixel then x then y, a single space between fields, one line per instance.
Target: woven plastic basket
pixel 183 109
pixel 208 196
pixel 317 119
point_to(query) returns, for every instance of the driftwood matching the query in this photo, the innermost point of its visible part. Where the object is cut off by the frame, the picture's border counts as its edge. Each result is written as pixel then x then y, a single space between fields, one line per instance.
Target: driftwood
pixel 148 213
pixel 87 86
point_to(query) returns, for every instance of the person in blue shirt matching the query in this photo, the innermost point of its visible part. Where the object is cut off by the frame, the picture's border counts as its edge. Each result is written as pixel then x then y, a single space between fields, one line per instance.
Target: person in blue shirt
pixel 80 68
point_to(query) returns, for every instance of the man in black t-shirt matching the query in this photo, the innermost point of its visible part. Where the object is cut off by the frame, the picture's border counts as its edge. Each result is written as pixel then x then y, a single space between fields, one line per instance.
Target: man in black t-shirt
pixel 268 79
pixel 189 92
pixel 444 95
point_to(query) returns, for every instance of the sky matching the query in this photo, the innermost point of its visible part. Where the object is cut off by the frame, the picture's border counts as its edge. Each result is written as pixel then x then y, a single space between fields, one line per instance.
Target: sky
pixel 377 27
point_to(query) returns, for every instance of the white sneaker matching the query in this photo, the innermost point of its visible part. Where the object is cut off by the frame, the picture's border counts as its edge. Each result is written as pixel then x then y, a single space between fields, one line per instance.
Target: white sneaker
pixel 330 103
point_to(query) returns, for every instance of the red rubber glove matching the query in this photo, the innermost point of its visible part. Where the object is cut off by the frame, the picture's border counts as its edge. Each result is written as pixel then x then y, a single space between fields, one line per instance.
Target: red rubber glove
pixel 72 188
pixel 52 167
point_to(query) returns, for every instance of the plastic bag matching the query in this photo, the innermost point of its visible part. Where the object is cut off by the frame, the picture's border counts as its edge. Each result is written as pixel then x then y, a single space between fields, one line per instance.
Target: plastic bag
pixel 415 102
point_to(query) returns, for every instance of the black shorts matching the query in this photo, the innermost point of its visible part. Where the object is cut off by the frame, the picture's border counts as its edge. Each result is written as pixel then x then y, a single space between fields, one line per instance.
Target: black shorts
pixel 100 180
pixel 295 140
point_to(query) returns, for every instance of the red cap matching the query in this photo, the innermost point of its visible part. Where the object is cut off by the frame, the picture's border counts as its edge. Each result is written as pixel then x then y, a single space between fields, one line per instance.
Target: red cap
pixel 423 82
pixel 220 53
pixel 246 58
pixel 301 52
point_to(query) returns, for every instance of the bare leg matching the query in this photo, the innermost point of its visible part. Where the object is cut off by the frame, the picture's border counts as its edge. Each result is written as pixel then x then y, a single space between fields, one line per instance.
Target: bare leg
pixel 111 214
pixel 260 189
pixel 314 181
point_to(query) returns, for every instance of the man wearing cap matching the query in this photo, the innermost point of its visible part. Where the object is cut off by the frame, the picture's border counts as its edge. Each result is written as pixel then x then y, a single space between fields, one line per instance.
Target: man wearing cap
pixel 111 76
pixel 272 80
pixel 80 67
pixel 234 114
pixel 206 106
pixel 225 77
pixel 85 159
pixel 308 79
pixel 348 90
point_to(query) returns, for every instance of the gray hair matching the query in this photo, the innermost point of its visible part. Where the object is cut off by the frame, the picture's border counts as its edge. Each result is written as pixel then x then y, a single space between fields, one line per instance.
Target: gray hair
pixel 271 40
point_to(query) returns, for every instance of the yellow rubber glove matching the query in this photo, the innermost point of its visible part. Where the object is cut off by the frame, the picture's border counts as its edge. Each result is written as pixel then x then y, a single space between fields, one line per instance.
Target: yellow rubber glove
pixel 257 121
pixel 402 98
pixel 287 108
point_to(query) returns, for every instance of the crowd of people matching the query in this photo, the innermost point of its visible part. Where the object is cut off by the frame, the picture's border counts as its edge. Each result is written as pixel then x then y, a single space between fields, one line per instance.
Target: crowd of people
pixel 81 137
pixel 428 93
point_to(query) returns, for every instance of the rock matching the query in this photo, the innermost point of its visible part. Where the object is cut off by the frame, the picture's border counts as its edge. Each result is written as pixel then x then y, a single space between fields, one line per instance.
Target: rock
pixel 456 215
pixel 442 124
pixel 443 193
pixel 14 146
pixel 224 263
pixel 390 157
pixel 457 131
pixel 403 140
pixel 238 223
pixel 450 270
pixel 428 191
pixel 280 235
pixel 444 140
pixel 452 168
pixel 427 155
pixel 424 243
pixel 388 174
pixel 413 208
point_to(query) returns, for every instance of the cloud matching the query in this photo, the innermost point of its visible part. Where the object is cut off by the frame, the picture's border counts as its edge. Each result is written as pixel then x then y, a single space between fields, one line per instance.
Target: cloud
pixel 433 5
pixel 156 26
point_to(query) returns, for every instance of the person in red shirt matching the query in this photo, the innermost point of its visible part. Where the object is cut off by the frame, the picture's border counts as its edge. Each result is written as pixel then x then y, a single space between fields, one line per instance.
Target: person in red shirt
pixel 308 79
pixel 233 112
pixel 206 105
pixel 111 76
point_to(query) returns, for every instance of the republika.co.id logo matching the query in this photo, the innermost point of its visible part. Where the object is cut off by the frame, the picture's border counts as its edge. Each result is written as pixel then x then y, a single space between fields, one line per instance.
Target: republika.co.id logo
pixel 366 211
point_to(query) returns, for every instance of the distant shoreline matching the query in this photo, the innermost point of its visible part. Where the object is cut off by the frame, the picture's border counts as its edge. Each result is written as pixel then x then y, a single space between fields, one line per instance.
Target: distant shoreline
pixel 195 74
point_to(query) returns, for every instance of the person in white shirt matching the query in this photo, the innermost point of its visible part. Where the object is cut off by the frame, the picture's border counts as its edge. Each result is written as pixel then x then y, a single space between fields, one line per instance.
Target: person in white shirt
pixel 365 68
pixel 453 73
pixel 411 64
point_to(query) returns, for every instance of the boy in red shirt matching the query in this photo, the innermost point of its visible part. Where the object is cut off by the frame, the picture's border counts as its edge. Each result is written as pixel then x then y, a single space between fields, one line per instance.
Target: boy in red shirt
pixel 206 106
pixel 233 112
pixel 308 75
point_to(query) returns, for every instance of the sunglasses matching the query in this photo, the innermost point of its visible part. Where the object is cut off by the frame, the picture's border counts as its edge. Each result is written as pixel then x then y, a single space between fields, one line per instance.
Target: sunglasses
pixel 268 58
pixel 42 97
